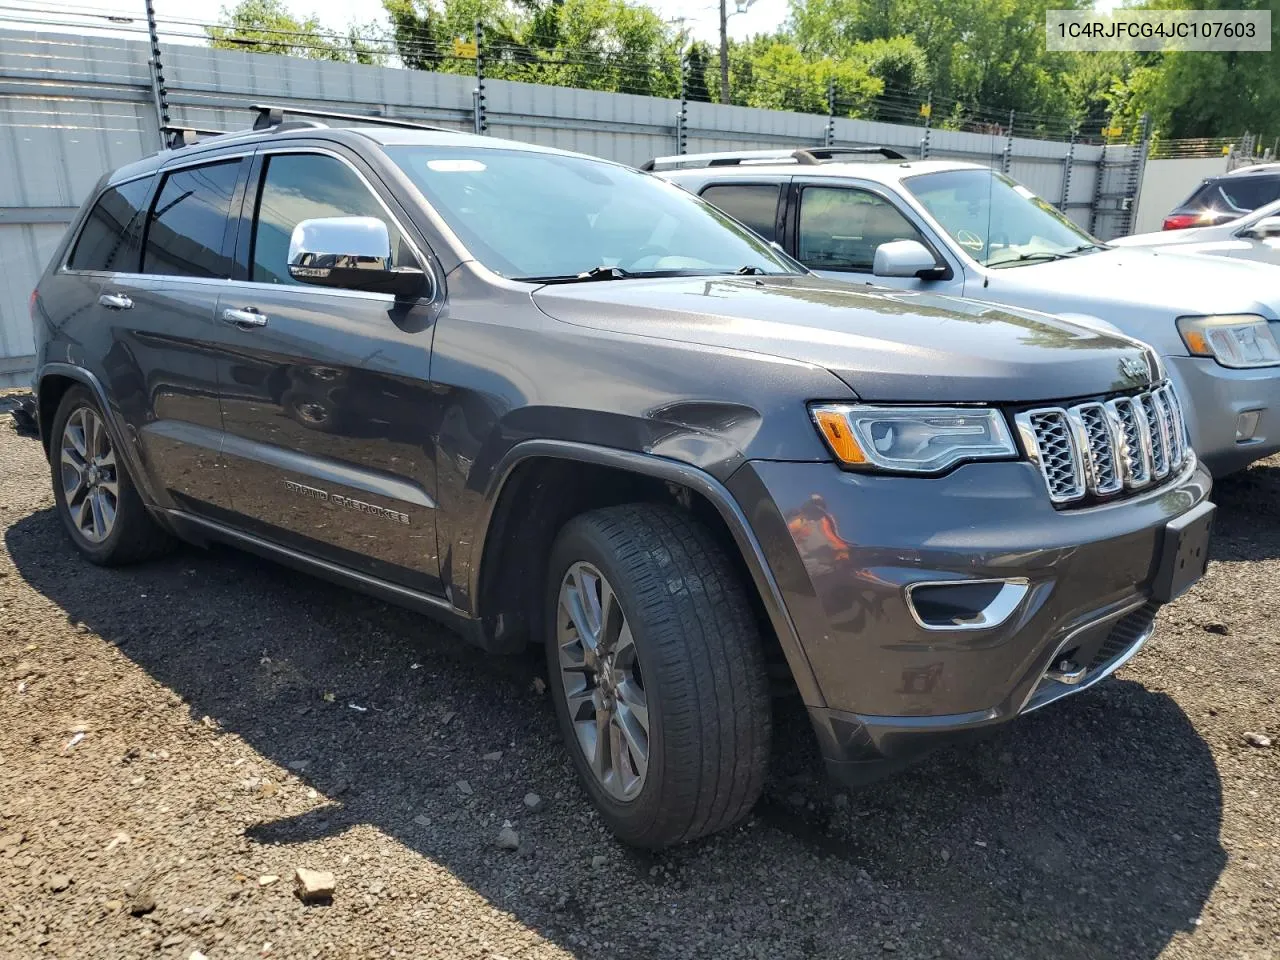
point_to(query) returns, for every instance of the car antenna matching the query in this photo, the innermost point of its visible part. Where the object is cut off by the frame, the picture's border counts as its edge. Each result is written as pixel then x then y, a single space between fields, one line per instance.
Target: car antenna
pixel 986 278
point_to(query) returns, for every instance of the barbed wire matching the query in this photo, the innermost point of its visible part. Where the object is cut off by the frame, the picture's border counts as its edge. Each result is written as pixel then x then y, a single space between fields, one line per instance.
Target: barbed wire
pixel 654 74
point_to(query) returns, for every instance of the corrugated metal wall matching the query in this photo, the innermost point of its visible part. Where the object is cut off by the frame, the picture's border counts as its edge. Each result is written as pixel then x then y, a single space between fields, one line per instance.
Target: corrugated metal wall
pixel 71 109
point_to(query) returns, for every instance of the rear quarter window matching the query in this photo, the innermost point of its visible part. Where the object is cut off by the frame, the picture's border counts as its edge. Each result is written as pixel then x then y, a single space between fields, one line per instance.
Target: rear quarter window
pixel 755 204
pixel 109 239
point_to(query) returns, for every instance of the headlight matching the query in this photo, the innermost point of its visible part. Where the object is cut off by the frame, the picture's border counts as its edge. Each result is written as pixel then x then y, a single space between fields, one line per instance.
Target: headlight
pixel 912 439
pixel 1236 340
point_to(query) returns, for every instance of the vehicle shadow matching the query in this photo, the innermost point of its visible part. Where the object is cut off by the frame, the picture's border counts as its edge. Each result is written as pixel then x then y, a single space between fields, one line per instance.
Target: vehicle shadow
pixel 1247 526
pixel 1087 830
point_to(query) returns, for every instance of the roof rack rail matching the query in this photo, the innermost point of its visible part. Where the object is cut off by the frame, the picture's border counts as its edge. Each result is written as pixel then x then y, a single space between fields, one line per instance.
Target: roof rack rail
pixel 272 115
pixel 804 156
pixel 177 137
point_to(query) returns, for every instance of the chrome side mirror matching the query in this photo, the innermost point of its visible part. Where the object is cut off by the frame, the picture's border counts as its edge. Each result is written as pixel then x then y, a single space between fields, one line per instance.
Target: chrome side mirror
pixel 907 258
pixel 1264 229
pixel 353 253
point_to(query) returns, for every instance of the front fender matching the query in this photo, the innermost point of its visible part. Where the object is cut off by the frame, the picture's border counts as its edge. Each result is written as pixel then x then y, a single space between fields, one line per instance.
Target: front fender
pixel 672 471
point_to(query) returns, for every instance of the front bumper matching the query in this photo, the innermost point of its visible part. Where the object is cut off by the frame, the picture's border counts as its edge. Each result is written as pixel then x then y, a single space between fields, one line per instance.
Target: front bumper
pixel 1213 398
pixel 844 547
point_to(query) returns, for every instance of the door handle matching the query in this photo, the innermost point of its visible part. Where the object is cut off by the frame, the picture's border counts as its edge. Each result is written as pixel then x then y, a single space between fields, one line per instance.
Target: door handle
pixel 244 319
pixel 116 301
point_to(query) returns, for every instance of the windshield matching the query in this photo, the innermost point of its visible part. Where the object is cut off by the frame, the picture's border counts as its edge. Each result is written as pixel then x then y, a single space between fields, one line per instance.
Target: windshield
pixel 998 222
pixel 528 215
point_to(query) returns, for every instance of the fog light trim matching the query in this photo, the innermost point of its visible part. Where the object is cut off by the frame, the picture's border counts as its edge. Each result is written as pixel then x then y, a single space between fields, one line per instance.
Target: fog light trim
pixel 1247 425
pixel 993 613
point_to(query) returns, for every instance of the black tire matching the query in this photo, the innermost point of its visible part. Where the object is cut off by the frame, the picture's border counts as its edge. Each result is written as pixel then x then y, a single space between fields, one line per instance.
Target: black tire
pixel 134 535
pixel 699 650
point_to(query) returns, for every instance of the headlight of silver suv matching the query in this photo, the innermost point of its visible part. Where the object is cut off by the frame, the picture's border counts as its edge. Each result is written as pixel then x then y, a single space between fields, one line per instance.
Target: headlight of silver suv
pixel 912 439
pixel 1238 340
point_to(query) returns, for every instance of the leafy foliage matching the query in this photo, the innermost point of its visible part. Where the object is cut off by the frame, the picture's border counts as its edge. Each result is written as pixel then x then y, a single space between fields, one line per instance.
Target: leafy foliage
pixel 974 60
pixel 267 26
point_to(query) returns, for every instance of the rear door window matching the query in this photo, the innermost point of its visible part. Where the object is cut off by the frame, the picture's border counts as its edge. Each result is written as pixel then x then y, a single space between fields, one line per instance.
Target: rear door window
pixel 110 238
pixel 755 204
pixel 189 230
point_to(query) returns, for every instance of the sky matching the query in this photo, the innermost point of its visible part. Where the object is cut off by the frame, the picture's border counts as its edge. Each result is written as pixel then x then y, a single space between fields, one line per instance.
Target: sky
pixel 701 16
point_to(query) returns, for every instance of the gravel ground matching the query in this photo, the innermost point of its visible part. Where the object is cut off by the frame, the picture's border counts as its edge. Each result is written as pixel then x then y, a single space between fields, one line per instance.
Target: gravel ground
pixel 174 735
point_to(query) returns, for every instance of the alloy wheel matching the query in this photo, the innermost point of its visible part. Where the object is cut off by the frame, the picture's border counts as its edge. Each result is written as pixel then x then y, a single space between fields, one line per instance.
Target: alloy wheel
pixel 90 483
pixel 602 681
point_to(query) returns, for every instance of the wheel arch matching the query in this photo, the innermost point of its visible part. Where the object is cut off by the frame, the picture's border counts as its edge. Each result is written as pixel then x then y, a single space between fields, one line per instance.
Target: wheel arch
pixel 541 484
pixel 54 380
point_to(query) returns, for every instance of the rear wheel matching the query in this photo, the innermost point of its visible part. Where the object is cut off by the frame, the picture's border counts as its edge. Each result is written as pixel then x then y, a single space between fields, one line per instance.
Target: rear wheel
pixel 657 673
pixel 96 499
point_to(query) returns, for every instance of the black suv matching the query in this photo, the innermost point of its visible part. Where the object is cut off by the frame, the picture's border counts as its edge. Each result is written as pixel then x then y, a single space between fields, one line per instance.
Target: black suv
pixel 1227 197
pixel 548 398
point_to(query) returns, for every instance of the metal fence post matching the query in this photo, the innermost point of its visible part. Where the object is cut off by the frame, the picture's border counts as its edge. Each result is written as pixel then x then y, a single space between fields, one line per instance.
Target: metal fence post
pixel 159 92
pixel 682 116
pixel 478 110
pixel 829 139
pixel 1067 163
pixel 1007 163
pixel 1137 168
pixel 1097 188
pixel 928 126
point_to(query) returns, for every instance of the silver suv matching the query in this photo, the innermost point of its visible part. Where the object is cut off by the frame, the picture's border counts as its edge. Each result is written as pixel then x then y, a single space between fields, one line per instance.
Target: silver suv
pixel 870 215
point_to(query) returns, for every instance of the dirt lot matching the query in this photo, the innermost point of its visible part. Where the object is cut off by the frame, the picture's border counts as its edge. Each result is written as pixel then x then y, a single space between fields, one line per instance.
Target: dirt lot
pixel 174 735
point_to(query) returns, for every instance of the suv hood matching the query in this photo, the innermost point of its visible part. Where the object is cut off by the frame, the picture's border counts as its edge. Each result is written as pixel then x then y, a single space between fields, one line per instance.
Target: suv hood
pixel 1176 283
pixel 887 345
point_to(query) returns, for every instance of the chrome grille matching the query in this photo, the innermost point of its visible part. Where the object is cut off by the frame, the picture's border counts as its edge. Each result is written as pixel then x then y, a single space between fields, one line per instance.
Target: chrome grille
pixel 1100 449
pixel 1059 461
pixel 1103 463
pixel 1159 442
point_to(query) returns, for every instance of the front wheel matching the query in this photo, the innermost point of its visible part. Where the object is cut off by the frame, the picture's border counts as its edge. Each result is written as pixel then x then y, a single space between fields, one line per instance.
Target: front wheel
pixel 657 673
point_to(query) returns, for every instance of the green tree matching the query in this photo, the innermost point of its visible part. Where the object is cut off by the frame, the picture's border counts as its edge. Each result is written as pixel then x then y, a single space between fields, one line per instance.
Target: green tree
pixel 267 26
pixel 1205 94
pixel 989 55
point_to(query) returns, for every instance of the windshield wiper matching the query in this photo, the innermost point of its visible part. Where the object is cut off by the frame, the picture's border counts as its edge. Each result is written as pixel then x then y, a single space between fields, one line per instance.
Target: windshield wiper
pixel 1086 247
pixel 600 272
pixel 749 271
pixel 1040 255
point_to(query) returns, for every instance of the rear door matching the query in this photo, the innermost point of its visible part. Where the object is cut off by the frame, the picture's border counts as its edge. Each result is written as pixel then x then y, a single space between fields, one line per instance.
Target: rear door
pixel 325 393
pixel 834 229
pixel 158 313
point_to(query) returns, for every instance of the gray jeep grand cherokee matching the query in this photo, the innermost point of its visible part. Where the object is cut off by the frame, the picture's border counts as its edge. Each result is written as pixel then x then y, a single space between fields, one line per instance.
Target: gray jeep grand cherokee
pixel 548 398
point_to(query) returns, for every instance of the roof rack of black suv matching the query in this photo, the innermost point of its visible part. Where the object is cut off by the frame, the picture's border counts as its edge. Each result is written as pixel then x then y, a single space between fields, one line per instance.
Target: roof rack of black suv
pixel 177 137
pixel 805 156
pixel 271 115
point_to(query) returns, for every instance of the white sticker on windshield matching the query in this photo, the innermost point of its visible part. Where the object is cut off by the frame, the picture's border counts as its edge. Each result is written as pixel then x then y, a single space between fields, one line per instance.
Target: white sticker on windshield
pixel 455 166
pixel 1019 188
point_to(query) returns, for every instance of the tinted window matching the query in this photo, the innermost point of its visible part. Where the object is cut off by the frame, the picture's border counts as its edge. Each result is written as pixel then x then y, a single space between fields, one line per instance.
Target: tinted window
pixel 109 240
pixel 840 229
pixel 1249 193
pixel 304 186
pixel 529 214
pixel 187 229
pixel 755 204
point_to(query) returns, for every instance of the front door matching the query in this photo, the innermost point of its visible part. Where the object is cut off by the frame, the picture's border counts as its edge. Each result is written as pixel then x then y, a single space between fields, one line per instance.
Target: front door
pixel 325 393
pixel 839 228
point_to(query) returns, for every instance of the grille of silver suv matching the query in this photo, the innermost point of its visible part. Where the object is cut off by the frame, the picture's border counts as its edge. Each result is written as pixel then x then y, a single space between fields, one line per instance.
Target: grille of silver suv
pixel 1101 448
